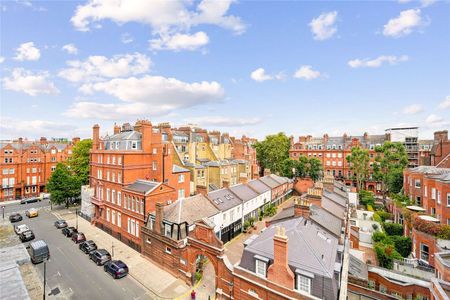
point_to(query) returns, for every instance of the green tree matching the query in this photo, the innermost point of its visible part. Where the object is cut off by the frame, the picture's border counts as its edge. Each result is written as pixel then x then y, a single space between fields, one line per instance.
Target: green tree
pixel 391 160
pixel 63 185
pixel 272 152
pixel 403 244
pixel 359 164
pixel 79 161
pixel 287 167
pixel 314 168
pixel 301 166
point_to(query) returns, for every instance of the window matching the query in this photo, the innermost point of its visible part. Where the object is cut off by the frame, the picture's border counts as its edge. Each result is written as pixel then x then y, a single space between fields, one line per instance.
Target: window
pixel 33 170
pixel 371 284
pixel 148 241
pixel 107 214
pixel 439 197
pixel 167 230
pixel 168 250
pixel 154 165
pixel 53 168
pixel 107 159
pixel 119 160
pixel 425 194
pixel 99 174
pixel 260 268
pixel 119 177
pixel 11 171
pixel 424 254
pixel 181 178
pixel 119 219
pixel 304 284
pixel 113 217
pixel 180 193
pixel 433 193
pixel 133 227
pixel 142 206
pixel 5 171
pixel 383 289
pixel 113 177
pixel 448 199
pixel 107 175
pixel 107 195
pixel 113 196
pixel 155 151
pixel 137 228
pixel 417 183
pixel 119 198
pixel 113 160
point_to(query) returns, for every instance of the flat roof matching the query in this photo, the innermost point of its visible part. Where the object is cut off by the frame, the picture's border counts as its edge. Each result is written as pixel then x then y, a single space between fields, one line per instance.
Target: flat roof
pixel 415 208
pixel 429 218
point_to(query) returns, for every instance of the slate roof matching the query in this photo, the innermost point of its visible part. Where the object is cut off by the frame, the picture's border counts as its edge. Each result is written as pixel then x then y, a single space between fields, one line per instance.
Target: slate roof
pixel 189 210
pixel 335 197
pixel 430 170
pixel 269 182
pixel 279 179
pixel 224 199
pixel 125 135
pixel 258 186
pixel 142 186
pixel 244 192
pixel 310 248
pixel 333 208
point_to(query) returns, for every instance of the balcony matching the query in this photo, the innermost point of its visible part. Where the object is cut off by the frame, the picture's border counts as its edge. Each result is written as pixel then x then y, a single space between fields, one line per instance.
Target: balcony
pixel 97 201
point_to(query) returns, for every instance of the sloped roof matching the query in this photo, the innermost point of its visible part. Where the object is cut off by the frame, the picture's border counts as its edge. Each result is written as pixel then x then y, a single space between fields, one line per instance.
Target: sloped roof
pixel 224 199
pixel 189 210
pixel 258 186
pixel 335 197
pixel 270 182
pixel 244 192
pixel 310 248
pixel 178 169
pixel 333 208
pixel 125 135
pixel 142 186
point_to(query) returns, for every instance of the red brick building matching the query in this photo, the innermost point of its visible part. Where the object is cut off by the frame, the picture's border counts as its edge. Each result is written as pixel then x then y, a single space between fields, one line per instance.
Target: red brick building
pixel 27 165
pixel 130 171
pixel 243 149
pixel 429 187
pixel 333 152
pixel 440 152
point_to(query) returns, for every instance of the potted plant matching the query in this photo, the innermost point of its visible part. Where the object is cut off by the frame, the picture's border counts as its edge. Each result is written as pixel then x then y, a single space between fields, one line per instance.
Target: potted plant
pixel 252 222
pixel 246 226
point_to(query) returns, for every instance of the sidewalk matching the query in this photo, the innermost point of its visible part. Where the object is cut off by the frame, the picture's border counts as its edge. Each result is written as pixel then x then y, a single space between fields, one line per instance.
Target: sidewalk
pixel 161 285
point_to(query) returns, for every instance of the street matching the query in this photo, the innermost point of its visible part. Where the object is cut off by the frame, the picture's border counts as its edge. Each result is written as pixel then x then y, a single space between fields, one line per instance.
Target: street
pixel 69 271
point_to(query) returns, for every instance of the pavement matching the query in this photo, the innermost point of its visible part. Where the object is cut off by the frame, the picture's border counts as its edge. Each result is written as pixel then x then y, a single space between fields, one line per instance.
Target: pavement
pixel 160 285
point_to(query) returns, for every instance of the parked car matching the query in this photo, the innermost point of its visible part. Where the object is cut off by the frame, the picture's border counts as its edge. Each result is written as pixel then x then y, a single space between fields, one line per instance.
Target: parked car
pixel 31 213
pixel 15 218
pixel 68 231
pixel 88 246
pixel 100 256
pixel 60 224
pixel 21 228
pixel 38 251
pixel 30 200
pixel 78 237
pixel 26 236
pixel 116 268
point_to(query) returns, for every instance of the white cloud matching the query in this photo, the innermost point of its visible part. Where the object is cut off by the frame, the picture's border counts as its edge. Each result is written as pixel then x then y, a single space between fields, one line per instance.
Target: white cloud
pixel 167 18
pixel 412 109
pixel 25 81
pixel 180 41
pixel 14 128
pixel 404 24
pixel 70 48
pixel 323 27
pixel 27 51
pixel 148 95
pixel 101 67
pixel 404 1
pixel 306 73
pixel 126 38
pixel 445 104
pixel 426 3
pixel 434 121
pixel 223 121
pixel 260 75
pixel 377 62
pixel 2 59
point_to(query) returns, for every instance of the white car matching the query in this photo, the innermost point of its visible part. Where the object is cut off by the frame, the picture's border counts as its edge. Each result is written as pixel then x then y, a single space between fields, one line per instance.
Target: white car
pixel 21 228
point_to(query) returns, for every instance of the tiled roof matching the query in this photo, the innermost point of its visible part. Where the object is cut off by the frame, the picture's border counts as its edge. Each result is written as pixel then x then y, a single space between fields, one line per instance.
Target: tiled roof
pixel 258 186
pixel 189 210
pixel 335 197
pixel 269 182
pixel 178 169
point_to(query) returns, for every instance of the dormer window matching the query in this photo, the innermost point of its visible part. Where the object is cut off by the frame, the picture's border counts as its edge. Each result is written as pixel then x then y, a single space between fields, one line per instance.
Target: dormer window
pixel 133 145
pixel 261 266
pixel 303 284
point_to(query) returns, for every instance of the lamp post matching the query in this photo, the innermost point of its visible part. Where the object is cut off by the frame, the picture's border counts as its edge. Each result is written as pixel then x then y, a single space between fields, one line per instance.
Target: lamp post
pixel 76 213
pixel 3 211
pixel 45 278
pixel 112 249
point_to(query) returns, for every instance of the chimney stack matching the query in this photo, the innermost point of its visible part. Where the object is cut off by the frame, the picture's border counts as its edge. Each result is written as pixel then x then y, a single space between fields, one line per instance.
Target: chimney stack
pixel 441 136
pixel 325 138
pixel 159 217
pixel 146 130
pixel 366 136
pixel 279 272
pixel 302 208
pixel 95 137
pixel 43 140
pixel 116 129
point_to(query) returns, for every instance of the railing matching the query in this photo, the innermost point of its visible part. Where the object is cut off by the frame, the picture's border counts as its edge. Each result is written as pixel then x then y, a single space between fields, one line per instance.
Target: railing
pixel 415 263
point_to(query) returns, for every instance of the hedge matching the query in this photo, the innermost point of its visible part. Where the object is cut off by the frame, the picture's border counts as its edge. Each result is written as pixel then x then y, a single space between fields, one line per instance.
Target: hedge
pixel 386 255
pixel 393 228
pixel 439 230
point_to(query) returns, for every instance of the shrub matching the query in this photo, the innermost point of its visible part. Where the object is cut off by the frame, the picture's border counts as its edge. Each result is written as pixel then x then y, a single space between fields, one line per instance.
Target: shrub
pixel 441 231
pixel 381 237
pixel 377 218
pixel 251 220
pixel 402 244
pixel 384 215
pixel 386 255
pixel 366 198
pixel 198 276
pixel 246 225
pixel 369 207
pixel 393 228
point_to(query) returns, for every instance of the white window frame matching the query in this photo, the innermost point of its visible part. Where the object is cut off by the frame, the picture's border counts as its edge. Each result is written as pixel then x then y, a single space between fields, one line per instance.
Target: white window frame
pixel 119 219
pixel 259 264
pixel 119 198
pixel 304 283
pixel 107 214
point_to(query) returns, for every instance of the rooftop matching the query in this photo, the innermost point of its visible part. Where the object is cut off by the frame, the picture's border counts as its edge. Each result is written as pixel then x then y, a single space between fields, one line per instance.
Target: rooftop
pixel 224 199
pixel 142 186
pixel 189 210
pixel 244 192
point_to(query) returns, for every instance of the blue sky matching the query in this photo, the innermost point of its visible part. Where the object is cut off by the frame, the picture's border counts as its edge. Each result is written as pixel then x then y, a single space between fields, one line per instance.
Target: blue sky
pixel 244 67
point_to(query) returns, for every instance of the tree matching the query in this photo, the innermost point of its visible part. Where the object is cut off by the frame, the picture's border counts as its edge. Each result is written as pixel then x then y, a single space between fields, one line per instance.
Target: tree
pixel 272 152
pixel 314 168
pixel 63 185
pixel 287 167
pixel 79 161
pixel 390 162
pixel 359 164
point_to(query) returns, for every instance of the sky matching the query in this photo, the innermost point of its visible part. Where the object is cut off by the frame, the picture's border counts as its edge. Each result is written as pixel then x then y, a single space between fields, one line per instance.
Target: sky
pixel 243 67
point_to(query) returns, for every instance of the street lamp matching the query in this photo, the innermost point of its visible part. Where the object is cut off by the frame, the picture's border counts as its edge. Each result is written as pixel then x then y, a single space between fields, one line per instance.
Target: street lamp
pixel 112 249
pixel 45 277
pixel 76 213
pixel 3 211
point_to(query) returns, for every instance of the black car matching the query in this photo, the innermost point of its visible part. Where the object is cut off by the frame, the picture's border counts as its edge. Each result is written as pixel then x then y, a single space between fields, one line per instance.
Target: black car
pixel 26 236
pixel 15 218
pixel 60 224
pixel 30 200
pixel 100 256
pixel 68 231
pixel 88 246
pixel 116 268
